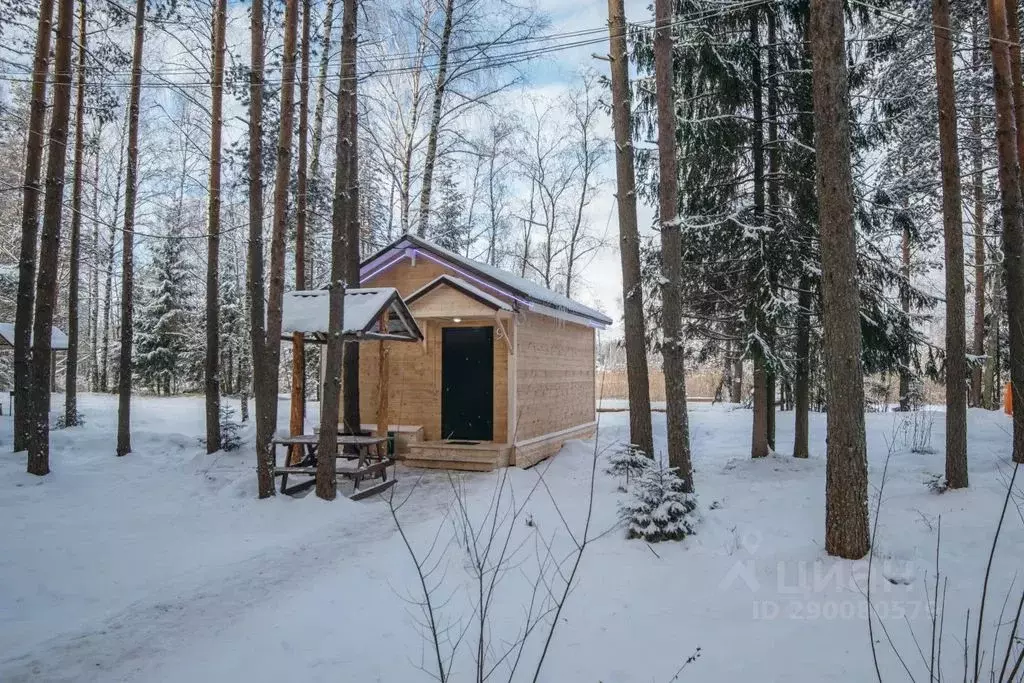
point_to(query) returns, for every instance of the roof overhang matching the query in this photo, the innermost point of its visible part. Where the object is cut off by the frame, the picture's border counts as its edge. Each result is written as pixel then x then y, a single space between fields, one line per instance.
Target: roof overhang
pixel 58 340
pixel 371 313
pixel 409 247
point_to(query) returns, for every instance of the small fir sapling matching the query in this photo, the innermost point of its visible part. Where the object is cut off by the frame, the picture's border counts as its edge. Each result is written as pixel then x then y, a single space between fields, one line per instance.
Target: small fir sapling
pixel 628 463
pixel 230 439
pixel 657 508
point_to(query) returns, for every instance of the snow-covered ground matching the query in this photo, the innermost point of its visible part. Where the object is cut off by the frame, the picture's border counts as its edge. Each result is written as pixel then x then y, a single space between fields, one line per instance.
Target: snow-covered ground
pixel 163 566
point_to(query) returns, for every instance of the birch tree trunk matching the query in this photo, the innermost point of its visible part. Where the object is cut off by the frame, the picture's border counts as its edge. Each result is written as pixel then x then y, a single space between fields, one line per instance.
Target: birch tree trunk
pixel 673 345
pixel 74 255
pixel 318 124
pixel 1009 96
pixel 124 380
pixel 640 433
pixel 440 85
pixel 212 369
pixel 952 221
pixel 49 245
pixel 30 230
pixel 846 493
pixel 327 450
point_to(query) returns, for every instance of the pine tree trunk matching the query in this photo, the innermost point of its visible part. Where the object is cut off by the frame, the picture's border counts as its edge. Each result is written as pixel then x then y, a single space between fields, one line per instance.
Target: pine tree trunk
pixel 673 345
pixel 440 85
pixel 846 493
pixel 956 335
pixel 326 486
pixel 267 366
pixel 736 389
pixel 904 371
pixel 49 245
pixel 212 369
pixel 982 378
pixel 298 396
pixel 94 286
pixel 266 401
pixel 774 188
pixel 124 394
pixel 30 231
pixel 802 378
pixel 1009 96
pixel 353 423
pixel 74 255
pixel 640 432
pixel 759 441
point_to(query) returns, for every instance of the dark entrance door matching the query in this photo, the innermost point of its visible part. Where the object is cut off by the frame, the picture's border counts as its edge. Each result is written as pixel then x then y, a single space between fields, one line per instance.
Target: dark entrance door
pixel 467 383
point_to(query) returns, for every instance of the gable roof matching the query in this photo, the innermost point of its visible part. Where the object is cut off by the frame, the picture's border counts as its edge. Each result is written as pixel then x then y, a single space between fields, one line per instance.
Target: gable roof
pixel 462 286
pixel 58 340
pixel 308 312
pixel 536 297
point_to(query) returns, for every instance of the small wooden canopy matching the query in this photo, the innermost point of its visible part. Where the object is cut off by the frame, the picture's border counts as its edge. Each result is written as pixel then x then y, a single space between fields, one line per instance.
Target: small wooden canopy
pixel 58 340
pixel 368 313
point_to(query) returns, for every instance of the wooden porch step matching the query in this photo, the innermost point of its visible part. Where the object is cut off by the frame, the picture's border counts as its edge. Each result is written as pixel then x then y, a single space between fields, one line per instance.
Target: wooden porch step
pixel 450 465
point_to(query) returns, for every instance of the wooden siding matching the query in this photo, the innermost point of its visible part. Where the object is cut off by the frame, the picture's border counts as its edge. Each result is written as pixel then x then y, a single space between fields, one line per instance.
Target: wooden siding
pixel 445 302
pixel 414 390
pixel 554 376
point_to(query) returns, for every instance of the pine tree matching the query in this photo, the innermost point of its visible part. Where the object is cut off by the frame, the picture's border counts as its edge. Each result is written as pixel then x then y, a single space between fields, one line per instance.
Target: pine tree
pixel 448 227
pixel 165 322
pixel 658 507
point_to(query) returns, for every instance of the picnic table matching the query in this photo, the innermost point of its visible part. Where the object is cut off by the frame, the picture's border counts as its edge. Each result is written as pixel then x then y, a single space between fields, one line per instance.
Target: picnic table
pixel 368 452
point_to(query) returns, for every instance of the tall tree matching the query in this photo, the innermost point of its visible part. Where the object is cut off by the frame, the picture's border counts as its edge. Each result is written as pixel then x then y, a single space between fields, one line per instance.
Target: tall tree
pixel 353 423
pixel 640 432
pixel 266 394
pixel 212 369
pixel 74 255
pixel 952 219
pixel 298 396
pixel 49 245
pixel 846 493
pixel 760 439
pixel 979 396
pixel 30 229
pixel 440 85
pixel 124 383
pixel 1009 145
pixel 275 295
pixel 673 346
pixel 330 405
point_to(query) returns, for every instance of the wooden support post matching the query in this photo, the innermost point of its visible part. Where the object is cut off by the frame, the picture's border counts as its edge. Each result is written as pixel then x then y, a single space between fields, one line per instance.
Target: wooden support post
pixel 382 386
pixel 298 398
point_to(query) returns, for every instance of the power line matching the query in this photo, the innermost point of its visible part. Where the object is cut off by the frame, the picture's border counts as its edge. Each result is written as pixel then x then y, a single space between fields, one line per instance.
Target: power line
pixel 483 61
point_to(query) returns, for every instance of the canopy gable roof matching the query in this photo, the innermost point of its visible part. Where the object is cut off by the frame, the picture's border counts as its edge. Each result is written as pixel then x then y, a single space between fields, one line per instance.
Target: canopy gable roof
pixel 308 312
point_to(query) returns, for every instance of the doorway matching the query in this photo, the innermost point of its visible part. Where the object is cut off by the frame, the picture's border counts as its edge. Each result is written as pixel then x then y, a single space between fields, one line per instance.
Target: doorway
pixel 467 383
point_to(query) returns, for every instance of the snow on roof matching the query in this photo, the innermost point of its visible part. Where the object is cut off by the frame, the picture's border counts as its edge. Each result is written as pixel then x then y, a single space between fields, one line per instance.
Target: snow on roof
pixel 459 283
pixel 308 311
pixel 517 286
pixel 58 340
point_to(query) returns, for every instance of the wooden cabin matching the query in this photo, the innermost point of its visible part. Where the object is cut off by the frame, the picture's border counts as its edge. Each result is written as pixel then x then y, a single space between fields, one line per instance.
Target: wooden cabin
pixel 504 374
